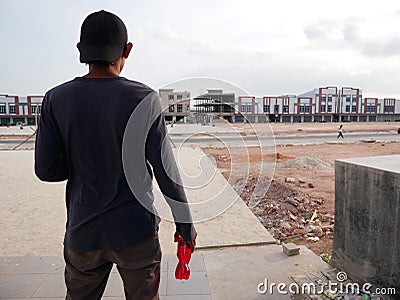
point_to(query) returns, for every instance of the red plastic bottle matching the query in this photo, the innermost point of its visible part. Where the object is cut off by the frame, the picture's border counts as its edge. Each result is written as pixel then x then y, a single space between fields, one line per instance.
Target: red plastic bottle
pixel 184 253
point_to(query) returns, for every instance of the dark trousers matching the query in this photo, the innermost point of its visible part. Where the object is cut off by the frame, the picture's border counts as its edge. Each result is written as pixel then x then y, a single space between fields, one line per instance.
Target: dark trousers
pixel 340 135
pixel 86 273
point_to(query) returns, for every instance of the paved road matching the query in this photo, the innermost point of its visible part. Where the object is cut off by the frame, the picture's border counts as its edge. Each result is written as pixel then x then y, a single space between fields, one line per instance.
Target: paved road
pixel 239 141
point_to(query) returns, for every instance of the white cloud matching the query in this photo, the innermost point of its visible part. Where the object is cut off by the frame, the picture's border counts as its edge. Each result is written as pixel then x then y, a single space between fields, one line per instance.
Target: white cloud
pixel 350 33
pixel 162 31
pixel 315 32
pixel 382 48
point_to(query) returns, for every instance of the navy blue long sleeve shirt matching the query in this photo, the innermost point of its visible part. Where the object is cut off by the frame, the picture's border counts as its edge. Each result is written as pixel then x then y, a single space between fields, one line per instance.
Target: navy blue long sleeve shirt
pixel 80 139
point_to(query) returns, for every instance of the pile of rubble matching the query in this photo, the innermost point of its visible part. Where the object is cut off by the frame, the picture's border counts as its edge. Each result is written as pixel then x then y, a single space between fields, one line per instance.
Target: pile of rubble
pixel 305 163
pixel 288 213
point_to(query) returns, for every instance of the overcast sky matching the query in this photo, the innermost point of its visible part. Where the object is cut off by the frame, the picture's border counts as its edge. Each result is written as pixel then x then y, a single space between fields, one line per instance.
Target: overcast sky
pixel 264 47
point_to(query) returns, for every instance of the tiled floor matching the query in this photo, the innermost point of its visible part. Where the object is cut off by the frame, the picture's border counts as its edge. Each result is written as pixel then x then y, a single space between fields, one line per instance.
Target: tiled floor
pixel 33 277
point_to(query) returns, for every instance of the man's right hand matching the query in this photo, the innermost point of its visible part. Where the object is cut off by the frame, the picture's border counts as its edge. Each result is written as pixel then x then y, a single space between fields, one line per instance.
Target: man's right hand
pixel 191 244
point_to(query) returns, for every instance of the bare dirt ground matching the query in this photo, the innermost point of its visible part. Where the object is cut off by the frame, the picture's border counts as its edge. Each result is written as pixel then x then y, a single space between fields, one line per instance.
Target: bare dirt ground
pixel 303 210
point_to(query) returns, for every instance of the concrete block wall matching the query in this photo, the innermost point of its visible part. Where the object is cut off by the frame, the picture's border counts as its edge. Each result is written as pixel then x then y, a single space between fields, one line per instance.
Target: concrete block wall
pixel 367 219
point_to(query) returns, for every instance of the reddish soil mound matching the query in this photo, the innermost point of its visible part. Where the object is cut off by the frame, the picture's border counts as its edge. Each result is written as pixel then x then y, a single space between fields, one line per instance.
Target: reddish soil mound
pixel 282 157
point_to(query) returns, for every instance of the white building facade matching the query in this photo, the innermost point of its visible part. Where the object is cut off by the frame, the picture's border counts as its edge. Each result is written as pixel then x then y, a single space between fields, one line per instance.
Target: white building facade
pixel 175 104
pixel 323 104
pixel 19 110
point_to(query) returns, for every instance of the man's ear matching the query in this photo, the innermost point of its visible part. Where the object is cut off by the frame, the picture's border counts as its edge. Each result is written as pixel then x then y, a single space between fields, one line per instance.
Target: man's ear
pixel 127 50
pixel 78 45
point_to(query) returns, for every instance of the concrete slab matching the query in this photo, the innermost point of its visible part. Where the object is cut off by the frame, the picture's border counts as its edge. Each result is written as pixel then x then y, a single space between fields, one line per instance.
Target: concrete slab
pixel 196 285
pixel 115 287
pixel 390 163
pixel 235 273
pixel 187 297
pixel 46 283
pixel 9 264
pixel 35 264
pixel 52 287
pixel 223 219
pixel 163 284
pixel 21 285
pixel 2 278
pixel 32 214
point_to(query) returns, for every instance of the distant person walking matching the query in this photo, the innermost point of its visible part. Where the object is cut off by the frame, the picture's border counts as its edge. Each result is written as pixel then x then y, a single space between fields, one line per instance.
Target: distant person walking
pixel 340 131
pixel 80 138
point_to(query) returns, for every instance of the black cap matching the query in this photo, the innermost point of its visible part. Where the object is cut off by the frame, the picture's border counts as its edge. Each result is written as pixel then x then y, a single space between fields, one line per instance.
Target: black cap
pixel 103 37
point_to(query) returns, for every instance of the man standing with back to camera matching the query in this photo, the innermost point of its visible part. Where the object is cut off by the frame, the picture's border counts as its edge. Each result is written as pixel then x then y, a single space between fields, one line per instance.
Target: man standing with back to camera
pixel 80 139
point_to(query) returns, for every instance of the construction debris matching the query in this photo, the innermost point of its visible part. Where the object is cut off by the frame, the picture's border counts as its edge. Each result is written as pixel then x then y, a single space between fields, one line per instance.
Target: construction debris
pixel 290 179
pixel 289 214
pixel 290 249
pixel 314 215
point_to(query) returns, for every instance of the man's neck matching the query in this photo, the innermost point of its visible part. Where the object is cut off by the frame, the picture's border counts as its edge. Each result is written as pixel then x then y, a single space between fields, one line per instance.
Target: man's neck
pixel 102 72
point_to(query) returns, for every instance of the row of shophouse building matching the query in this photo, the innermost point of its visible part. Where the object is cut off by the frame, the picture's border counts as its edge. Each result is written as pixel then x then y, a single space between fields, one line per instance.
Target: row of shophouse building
pixel 15 110
pixel 323 104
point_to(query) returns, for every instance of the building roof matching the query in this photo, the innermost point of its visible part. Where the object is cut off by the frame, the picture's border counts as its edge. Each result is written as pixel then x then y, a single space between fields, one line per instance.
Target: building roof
pixel 308 94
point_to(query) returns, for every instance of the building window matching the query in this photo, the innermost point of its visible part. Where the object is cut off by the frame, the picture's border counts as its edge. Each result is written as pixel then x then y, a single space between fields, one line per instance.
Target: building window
pixel 276 109
pixel 389 109
pixel 330 98
pixel 329 108
pixel 179 97
pixel 11 108
pixel 348 98
pixel 171 97
pixel 323 98
pixel 249 108
pixel 243 108
pixel 286 108
pixel 34 109
pixel 188 108
pixel 2 109
pixel 266 108
pixel 354 99
pixel 179 108
pixel 304 109
pixel 171 108
pixel 370 108
pixel 323 108
pixel 347 108
pixel 353 108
